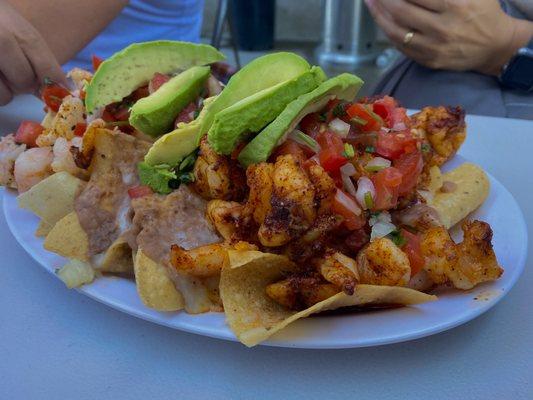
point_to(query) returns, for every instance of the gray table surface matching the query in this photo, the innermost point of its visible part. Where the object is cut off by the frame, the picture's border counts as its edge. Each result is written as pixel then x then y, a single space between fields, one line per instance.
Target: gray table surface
pixel 59 344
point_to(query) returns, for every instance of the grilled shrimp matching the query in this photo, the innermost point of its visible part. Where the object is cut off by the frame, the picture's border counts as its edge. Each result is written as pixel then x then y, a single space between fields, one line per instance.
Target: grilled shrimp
pixel 224 216
pixel 443 128
pixel 33 166
pixel 70 113
pixel 217 176
pixel 64 159
pixel 464 265
pixel 381 262
pixel 325 188
pixel 201 262
pixel 9 151
pixel 299 292
pixel 260 181
pixel 338 269
pixel 292 204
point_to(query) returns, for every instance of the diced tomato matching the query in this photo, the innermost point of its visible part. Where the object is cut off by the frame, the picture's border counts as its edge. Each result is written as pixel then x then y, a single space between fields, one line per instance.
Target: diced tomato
pixel 330 110
pixel 384 107
pixel 331 151
pixel 80 129
pixel 27 133
pixel 363 112
pixel 346 206
pixel 107 116
pixel 310 125
pixel 157 81
pixel 96 62
pixel 122 113
pixel 410 165
pixel 398 117
pixel 289 146
pixel 53 95
pixel 393 145
pixel 187 114
pixel 412 249
pixel 140 93
pixel 387 184
pixel 139 191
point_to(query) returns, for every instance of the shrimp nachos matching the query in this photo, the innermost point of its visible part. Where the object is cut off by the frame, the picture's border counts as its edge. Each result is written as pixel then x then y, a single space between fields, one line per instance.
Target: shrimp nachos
pixel 277 196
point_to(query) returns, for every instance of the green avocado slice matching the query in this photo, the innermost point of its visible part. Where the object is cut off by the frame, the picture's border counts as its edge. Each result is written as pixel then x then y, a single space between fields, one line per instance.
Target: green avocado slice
pixel 261 73
pixel 174 146
pixel 155 114
pixel 253 113
pixel 344 87
pixel 135 65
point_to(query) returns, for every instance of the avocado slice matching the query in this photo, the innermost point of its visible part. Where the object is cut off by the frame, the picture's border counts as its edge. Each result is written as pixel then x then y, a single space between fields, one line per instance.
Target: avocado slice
pixel 155 114
pixel 135 65
pixel 253 113
pixel 259 74
pixel 344 87
pixel 174 146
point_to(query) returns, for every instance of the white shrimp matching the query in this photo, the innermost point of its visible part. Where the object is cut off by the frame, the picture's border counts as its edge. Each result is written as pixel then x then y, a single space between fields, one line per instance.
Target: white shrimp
pixel 63 158
pixel 9 151
pixel 33 166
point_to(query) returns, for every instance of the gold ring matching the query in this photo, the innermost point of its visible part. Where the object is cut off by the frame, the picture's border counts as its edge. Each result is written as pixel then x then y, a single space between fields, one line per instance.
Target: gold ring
pixel 408 37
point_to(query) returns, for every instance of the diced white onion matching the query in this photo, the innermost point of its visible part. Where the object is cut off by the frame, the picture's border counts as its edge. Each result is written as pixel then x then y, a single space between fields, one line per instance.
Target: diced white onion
pixel 348 169
pixel 364 186
pixel 381 229
pixel 348 203
pixel 348 184
pixel 383 216
pixel 377 163
pixel 340 127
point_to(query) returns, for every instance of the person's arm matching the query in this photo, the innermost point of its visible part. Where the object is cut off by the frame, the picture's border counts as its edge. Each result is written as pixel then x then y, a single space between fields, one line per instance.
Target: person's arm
pixel 66 25
pixel 454 34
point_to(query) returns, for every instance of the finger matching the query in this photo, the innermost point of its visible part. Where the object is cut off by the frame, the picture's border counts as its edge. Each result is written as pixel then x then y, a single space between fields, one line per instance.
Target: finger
pixel 5 93
pixel 41 58
pixel 391 29
pixel 432 5
pixel 15 67
pixel 410 16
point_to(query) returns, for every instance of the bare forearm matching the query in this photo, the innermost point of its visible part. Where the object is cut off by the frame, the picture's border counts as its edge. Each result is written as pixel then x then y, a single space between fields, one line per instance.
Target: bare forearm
pixel 66 25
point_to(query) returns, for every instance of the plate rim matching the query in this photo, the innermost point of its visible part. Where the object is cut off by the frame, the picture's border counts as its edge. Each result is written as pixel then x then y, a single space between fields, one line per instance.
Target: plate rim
pixel 336 344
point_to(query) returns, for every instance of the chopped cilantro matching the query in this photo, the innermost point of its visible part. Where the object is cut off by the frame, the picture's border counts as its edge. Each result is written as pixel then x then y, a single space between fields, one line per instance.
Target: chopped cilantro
pixel 322 117
pixel 157 177
pixel 370 149
pixel 425 147
pixel 397 238
pixel 196 113
pixel 349 151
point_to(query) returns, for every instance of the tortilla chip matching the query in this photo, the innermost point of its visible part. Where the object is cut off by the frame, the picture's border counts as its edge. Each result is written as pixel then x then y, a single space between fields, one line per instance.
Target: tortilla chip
pixel 472 188
pixel 155 288
pixel 254 317
pixel 68 239
pixel 52 198
pixel 43 228
pixel 117 258
pixel 76 273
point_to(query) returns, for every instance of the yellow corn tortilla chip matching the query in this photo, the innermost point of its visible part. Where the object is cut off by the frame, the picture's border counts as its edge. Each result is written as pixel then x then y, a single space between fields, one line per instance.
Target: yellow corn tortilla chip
pixel 472 188
pixel 52 198
pixel 43 228
pixel 155 288
pixel 254 317
pixel 68 239
pixel 116 259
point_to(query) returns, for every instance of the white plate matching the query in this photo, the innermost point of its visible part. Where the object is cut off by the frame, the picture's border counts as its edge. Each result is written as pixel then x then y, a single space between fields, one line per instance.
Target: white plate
pixel 334 331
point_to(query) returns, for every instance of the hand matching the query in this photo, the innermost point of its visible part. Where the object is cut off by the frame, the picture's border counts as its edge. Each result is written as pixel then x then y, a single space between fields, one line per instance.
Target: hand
pixel 452 34
pixel 25 59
